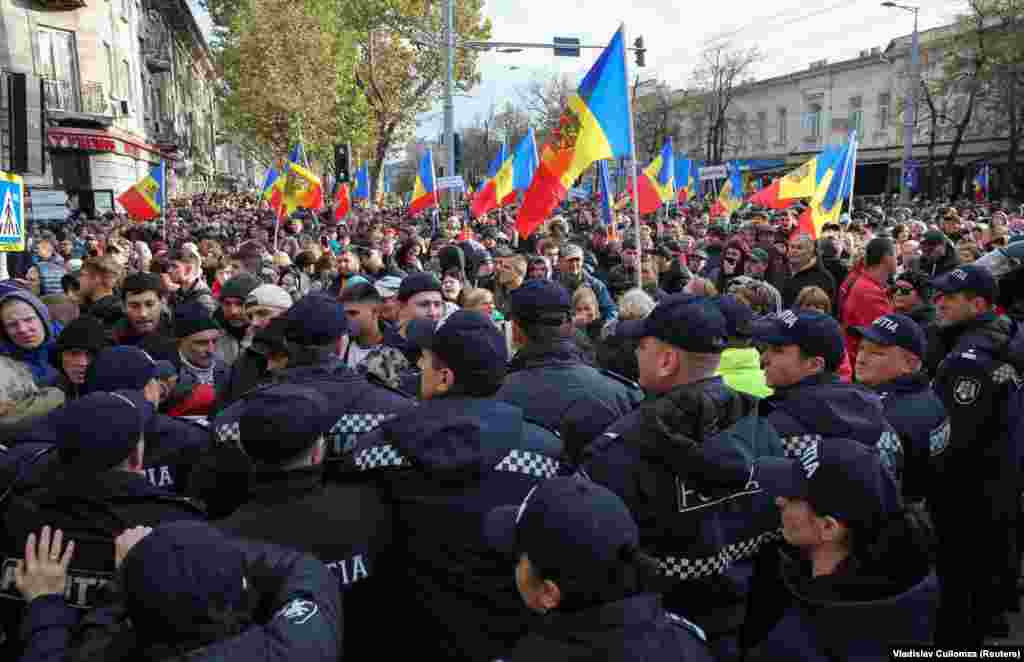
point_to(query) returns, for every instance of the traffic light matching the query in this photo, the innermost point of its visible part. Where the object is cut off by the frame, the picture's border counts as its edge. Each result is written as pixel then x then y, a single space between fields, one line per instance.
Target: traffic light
pixel 640 52
pixel 342 163
pixel 457 142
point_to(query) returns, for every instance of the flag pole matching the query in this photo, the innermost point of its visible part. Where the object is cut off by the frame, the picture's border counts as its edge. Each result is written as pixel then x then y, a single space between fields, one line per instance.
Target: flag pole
pixel 854 147
pixel 632 153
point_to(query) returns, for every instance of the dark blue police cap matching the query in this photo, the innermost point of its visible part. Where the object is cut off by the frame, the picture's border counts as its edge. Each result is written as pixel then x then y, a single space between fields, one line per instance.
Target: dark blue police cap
pixel 468 342
pixel 540 299
pixel 124 367
pixel 839 477
pixel 99 430
pixel 814 332
pixel 968 278
pixel 316 319
pixel 570 526
pixel 738 316
pixel 415 283
pixel 691 323
pixel 280 422
pixel 178 575
pixel 895 330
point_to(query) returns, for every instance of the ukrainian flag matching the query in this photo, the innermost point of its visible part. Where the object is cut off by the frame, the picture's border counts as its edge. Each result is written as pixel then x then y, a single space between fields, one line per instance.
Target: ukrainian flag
pixel 595 126
pixel 424 193
pixel 145 199
pixel 524 165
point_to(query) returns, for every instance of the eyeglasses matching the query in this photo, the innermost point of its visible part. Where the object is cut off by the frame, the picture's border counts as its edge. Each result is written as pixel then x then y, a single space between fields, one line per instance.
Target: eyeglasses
pixel 729 260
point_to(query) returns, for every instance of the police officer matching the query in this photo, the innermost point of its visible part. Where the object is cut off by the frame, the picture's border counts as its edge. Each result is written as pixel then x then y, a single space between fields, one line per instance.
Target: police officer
pixel 890 362
pixel 444 466
pixel 575 549
pixel 548 378
pixel 859 579
pixel 315 335
pixel 98 490
pixel 802 350
pixel 674 463
pixel 282 428
pixel 976 516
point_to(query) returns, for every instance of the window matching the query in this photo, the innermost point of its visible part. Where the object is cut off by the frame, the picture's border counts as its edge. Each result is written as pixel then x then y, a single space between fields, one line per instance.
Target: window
pixel 883 111
pixel 782 126
pixel 57 65
pixel 762 128
pixel 812 123
pixel 739 132
pixel 856 115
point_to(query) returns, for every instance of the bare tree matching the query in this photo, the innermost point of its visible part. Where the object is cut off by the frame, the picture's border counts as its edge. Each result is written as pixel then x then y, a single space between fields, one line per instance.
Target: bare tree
pixel 719 74
pixel 657 114
pixel 544 101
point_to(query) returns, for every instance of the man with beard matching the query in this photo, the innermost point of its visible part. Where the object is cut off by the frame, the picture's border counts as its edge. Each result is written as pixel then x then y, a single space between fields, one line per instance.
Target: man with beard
pixel 572 276
pixel 624 276
pixel 96 294
pixel 510 272
pixel 145 313
pixel 807 271
pixel 232 318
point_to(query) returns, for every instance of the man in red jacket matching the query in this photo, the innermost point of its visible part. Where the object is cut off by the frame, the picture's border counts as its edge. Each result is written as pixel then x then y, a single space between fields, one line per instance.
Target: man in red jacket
pixel 868 297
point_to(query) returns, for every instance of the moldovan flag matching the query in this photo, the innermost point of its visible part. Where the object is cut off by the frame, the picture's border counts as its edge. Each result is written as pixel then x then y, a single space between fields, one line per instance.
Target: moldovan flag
pixel 605 191
pixel 981 184
pixel 302 189
pixel 144 200
pixel 342 204
pixel 424 195
pixel 594 126
pixel 273 189
pixel 687 179
pixel 731 195
pixel 524 165
pixel 657 184
pixel 488 196
pixel 834 171
pixel 362 189
pixel 784 191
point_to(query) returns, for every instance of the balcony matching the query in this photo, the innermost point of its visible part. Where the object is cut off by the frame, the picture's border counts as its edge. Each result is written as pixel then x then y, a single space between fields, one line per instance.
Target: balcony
pixel 70 104
pixel 63 5
pixel 156 44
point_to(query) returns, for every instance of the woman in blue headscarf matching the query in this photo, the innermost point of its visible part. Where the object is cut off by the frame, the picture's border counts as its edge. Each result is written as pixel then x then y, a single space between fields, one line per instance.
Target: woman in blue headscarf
pixel 28 334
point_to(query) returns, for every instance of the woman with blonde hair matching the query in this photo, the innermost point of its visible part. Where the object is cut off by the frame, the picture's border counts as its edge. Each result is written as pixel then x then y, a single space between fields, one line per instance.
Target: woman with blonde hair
pixel 815 298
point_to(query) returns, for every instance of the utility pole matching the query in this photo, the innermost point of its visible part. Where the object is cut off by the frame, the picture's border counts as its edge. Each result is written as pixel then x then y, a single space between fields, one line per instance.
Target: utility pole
pixel 910 116
pixel 449 91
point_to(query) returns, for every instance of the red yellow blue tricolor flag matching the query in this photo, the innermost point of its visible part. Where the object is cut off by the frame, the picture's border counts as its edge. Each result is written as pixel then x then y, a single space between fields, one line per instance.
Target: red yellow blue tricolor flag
pixel 594 126
pixel 145 199
pixel 424 193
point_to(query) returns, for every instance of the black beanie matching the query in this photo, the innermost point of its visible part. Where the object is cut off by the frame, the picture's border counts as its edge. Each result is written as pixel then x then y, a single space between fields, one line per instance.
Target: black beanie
pixel 84 333
pixel 239 286
pixel 192 318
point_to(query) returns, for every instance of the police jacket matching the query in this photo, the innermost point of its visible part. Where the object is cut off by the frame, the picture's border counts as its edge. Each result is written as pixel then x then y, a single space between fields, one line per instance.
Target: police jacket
pixel 851 616
pixel 92 509
pixel 635 629
pixel 347 526
pixel 443 467
pixel 917 415
pixel 173 446
pixel 548 381
pixel 303 620
pixel 682 463
pixel 360 405
pixel 821 406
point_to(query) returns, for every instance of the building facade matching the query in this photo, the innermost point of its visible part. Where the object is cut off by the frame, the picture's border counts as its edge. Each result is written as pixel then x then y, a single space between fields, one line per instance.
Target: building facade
pixel 94 93
pixel 794 116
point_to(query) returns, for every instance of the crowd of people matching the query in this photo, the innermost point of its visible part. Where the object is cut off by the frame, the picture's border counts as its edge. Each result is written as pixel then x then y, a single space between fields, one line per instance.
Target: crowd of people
pixel 700 439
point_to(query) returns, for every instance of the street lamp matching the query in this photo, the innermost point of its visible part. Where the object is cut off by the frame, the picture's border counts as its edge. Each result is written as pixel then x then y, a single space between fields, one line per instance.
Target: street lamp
pixel 910 116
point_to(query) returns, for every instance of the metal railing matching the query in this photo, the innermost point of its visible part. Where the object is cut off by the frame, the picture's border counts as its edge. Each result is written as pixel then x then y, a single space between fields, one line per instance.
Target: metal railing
pixel 63 95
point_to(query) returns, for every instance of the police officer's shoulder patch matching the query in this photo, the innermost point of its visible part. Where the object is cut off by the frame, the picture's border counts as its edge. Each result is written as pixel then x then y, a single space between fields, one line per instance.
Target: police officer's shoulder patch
pixel 619 378
pixel 298 612
pixel 966 391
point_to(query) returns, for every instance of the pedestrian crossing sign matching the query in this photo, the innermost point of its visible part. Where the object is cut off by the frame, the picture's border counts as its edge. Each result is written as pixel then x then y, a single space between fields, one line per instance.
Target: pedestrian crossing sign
pixel 12 213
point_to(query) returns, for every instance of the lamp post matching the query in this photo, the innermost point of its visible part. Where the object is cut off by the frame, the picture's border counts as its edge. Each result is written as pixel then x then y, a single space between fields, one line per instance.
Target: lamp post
pixel 910 116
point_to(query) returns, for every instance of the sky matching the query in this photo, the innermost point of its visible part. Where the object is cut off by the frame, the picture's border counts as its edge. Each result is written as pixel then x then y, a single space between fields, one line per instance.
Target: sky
pixel 790 33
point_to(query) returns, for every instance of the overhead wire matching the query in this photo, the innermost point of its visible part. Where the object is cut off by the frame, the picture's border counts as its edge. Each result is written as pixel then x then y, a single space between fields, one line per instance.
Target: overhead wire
pixel 773 22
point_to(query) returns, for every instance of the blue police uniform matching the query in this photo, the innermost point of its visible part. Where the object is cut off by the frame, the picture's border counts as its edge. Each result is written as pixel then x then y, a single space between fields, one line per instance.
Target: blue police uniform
pixel 698 512
pixel 822 406
pixel 916 413
pixel 444 466
pixel 304 621
pixel 848 616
